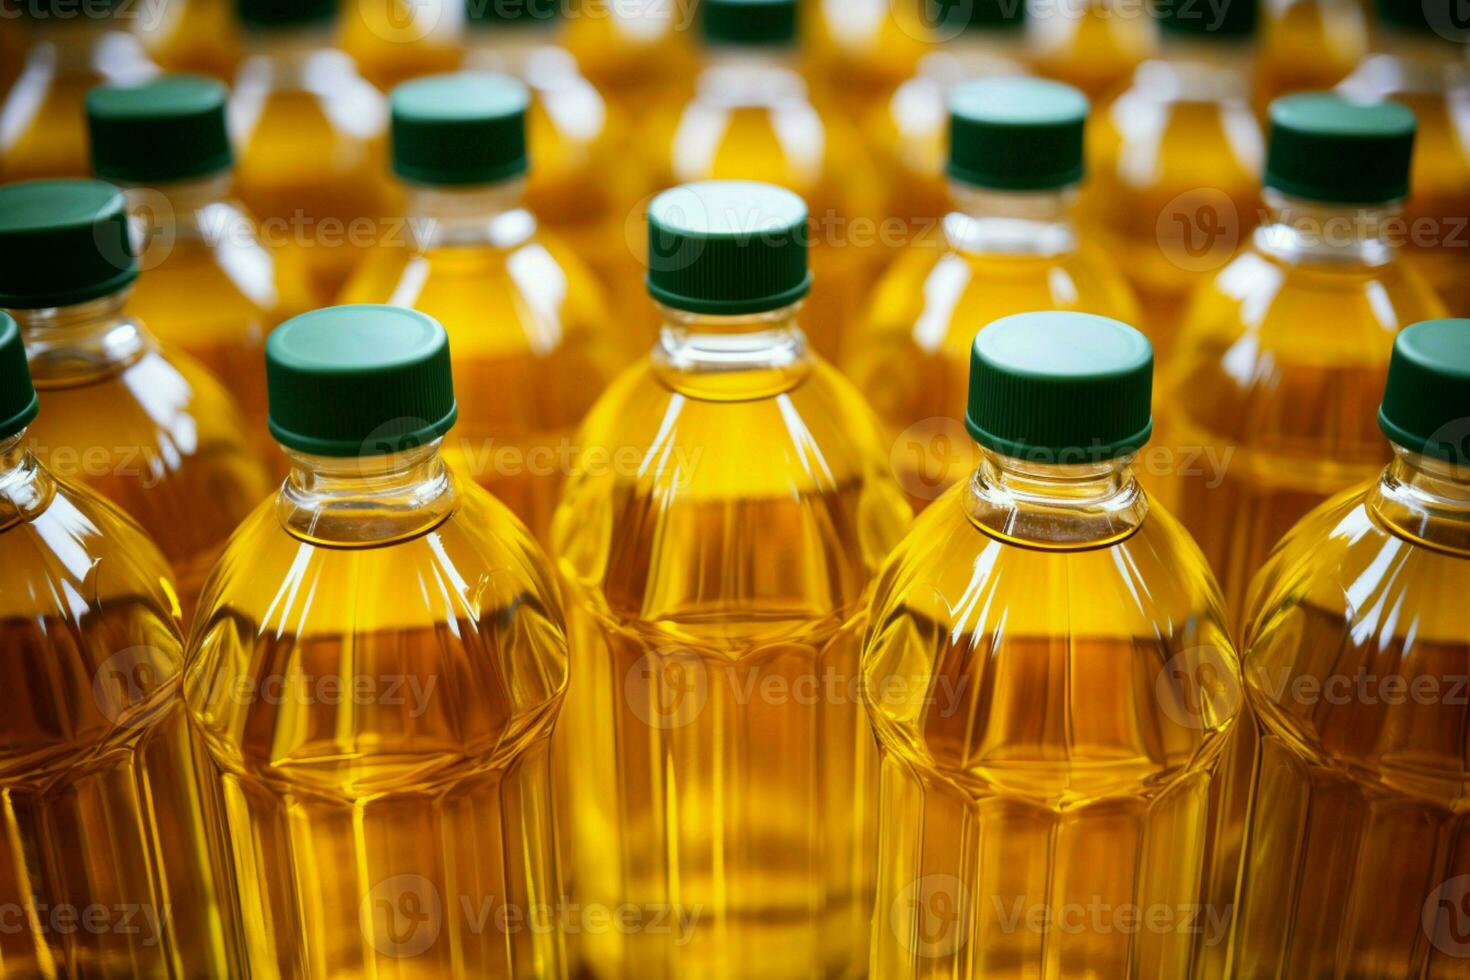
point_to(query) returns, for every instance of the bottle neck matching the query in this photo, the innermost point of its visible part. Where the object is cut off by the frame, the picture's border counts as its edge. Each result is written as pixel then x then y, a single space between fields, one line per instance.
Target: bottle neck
pixel 750 76
pixel 365 501
pixel 505 47
pixel 198 210
pixel 1191 70
pixel 1426 501
pixel 1298 231
pixel 294 58
pixel 72 345
pixel 481 214
pixel 1055 507
pixel 731 358
pixel 26 488
pixel 993 222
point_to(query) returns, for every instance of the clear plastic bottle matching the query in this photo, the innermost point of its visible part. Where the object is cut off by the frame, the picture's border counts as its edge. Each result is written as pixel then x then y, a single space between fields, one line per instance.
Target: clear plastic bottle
pixel 590 173
pixel 1355 668
pixel 730 506
pixel 311 134
pixel 534 345
pixel 1270 403
pixel 1419 64
pixel 106 871
pixel 147 428
pixel 1175 160
pixel 209 287
pixel 1094 45
pixel 1008 247
pixel 909 131
pixel 1041 669
pixel 751 119
pixel 376 667
pixel 43 126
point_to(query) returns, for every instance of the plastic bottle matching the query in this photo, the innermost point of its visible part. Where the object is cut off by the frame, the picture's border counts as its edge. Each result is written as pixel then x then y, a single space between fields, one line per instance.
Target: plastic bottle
pixel 1308 46
pixel 210 288
pixel 1094 45
pixel 751 119
pixel 1282 357
pixel 1038 670
pixel 718 538
pixel 533 343
pixel 147 428
pixel 107 870
pixel 1175 160
pixel 393 41
pixel 191 36
pixel 376 668
pixel 635 53
pixel 859 51
pixel 1356 668
pixel 311 138
pixel 1008 246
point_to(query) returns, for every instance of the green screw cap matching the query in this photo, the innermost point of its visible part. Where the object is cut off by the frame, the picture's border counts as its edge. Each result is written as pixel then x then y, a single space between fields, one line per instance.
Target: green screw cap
pixel 359 381
pixel 18 402
pixel 1426 404
pixel 1227 21
pixel 63 242
pixel 511 12
pixel 1326 148
pixel 1058 387
pixel 951 17
pixel 457 129
pixel 749 23
pixel 1016 133
pixel 172 128
pixel 285 13
pixel 727 247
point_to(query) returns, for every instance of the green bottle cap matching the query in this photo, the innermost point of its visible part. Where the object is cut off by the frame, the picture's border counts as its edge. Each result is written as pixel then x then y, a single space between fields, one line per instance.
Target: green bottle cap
pixel 359 381
pixel 457 129
pixel 1426 404
pixel 18 402
pixel 171 128
pixel 955 16
pixel 728 248
pixel 1059 387
pixel 1326 148
pixel 511 12
pixel 63 242
pixel 1228 20
pixel 285 13
pixel 749 23
pixel 1016 133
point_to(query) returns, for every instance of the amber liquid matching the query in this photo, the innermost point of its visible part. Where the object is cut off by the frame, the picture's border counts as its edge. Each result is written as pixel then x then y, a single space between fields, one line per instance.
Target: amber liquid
pixel 377 720
pixel 194 36
pixel 718 771
pixel 1052 729
pixel 106 870
pixel 1095 48
pixel 1357 826
pixel 532 352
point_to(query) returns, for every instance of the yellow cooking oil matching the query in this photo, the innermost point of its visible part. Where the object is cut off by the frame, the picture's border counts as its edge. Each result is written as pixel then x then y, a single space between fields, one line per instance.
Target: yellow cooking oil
pixel 718 539
pixel 193 36
pixel 859 51
pixel 589 175
pixel 1175 160
pixel 147 428
pixel 1419 64
pixel 392 41
pixel 1355 671
pixel 909 131
pixel 1094 45
pixel 635 53
pixel 311 138
pixel 533 343
pixel 106 870
pixel 375 670
pixel 1307 46
pixel 60 55
pixel 1042 669
pixel 1281 362
pixel 209 287
pixel 1008 245
pixel 751 118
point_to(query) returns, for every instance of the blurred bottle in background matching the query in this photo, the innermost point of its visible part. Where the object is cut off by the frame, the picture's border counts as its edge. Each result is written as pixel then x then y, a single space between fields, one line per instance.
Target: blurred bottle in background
pixel 1307 46
pixel 1093 44
pixel 192 36
pixel 859 51
pixel 637 52
pixel 392 41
